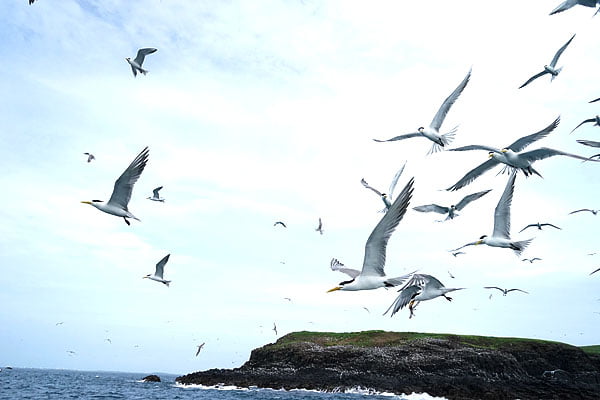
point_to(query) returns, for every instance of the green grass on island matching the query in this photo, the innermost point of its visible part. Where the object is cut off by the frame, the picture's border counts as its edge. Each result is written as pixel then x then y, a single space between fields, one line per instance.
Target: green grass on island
pixel 383 338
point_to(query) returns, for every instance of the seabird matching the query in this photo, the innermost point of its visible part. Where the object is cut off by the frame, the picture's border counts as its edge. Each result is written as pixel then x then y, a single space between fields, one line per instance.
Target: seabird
pixel 90 157
pixel 512 157
pixel 433 131
pixel 501 234
pixel 386 198
pixel 320 227
pixel 136 63
pixel 565 5
pixel 200 346
pixel 596 270
pixel 595 120
pixel 419 288
pixel 160 268
pixel 504 291
pixel 539 226
pixel 531 260
pixel 584 209
pixel 117 204
pixel 451 276
pixel 372 275
pixel 452 210
pixel 31 2
pixel 550 69
pixel 59 323
pixel 156 196
pixel 108 340
pixel 280 223
pixel 275 328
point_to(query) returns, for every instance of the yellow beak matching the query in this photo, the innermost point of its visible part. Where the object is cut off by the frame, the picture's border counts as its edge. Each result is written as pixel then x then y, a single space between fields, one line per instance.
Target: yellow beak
pixel 334 289
pixel 87 202
pixel 479 242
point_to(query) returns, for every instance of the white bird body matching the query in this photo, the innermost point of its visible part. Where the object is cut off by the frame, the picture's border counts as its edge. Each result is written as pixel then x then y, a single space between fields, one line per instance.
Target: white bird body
pixel 113 209
pixel 159 272
pixel 156 196
pixel 551 68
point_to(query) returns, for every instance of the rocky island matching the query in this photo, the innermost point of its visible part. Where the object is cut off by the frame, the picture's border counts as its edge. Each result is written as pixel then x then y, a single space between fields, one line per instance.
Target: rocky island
pixel 452 366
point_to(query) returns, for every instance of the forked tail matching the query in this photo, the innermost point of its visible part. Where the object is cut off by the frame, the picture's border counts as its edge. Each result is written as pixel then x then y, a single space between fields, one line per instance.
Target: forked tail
pixel 167 283
pixel 557 72
pixel 518 247
pixel 445 138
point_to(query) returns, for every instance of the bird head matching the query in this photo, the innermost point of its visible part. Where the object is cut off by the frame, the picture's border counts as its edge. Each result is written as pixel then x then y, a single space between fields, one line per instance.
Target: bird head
pixel 480 241
pixel 504 150
pixel 342 286
pixel 147 276
pixel 421 128
pixel 490 154
pixel 94 203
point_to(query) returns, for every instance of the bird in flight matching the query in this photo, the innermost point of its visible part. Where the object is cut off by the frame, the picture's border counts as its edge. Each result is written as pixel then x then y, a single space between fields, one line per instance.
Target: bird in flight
pixel 565 5
pixel 372 275
pixel 584 210
pixel 595 120
pixel 452 210
pixel 158 273
pixel 504 291
pixel 501 233
pixel 531 260
pixel 387 198
pixel 117 204
pixel 419 288
pixel 275 328
pixel 320 226
pixel 136 63
pixel 550 69
pixel 539 226
pixel 200 346
pixel 433 131
pixel 279 223
pixel 90 157
pixel 156 196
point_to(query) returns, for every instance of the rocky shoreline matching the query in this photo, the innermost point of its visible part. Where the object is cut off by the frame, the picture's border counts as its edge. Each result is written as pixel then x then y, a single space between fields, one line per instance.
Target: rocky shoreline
pixel 452 366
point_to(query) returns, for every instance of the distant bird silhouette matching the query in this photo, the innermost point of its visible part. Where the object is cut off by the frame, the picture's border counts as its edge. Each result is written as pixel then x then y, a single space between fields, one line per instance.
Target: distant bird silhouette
pixel 539 226
pixel 275 328
pixel 31 2
pixel 451 276
pixel 108 340
pixel 156 196
pixel 90 157
pixel 504 291
pixel 452 210
pixel 531 260
pixel 199 348
pixel 550 69
pixel 59 323
pixel 136 63
pixel 387 198
pixel 280 223
pixel 160 268
pixel 584 209
pixel 320 227
pixel 365 308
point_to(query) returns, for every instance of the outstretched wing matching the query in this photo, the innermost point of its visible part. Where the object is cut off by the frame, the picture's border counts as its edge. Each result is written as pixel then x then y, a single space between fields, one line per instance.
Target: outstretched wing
pixel 502 211
pixel 528 226
pixel 338 266
pixel 406 136
pixel 375 247
pixel 365 184
pixel 142 53
pixel 533 78
pixel 494 287
pixel 473 174
pixel 160 266
pixel 559 52
pixel 545 152
pixel 584 122
pixel 432 208
pixel 590 143
pixel 124 185
pixel 395 180
pixel 437 121
pixel 554 226
pixel 525 141
pixel 472 197
pixel 155 192
pixel 475 147
pixel 512 290
pixel 405 296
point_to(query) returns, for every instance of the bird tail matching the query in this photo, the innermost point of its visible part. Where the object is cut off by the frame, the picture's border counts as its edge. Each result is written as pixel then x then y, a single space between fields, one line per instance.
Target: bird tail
pixel 518 247
pixel 143 71
pixel 445 138
pixel 397 281
pixel 167 283
pixel 557 72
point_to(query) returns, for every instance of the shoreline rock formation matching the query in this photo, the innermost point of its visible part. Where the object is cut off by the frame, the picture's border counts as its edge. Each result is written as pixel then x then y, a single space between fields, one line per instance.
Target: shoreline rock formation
pixel 452 366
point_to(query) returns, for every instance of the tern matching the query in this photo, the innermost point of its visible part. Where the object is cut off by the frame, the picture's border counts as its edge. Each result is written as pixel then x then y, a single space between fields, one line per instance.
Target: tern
pixel 280 223
pixel 539 226
pixel 504 291
pixel 90 157
pixel 156 196
pixel 512 157
pixel 200 346
pixel 319 228
pixel 275 328
pixel 452 210
pixel 136 63
pixel 501 234
pixel 583 210
pixel 531 260
pixel 433 131
pixel 372 275
pixel 419 288
pixel 565 5
pixel 595 120
pixel 550 69
pixel 386 197
pixel 160 269
pixel 117 204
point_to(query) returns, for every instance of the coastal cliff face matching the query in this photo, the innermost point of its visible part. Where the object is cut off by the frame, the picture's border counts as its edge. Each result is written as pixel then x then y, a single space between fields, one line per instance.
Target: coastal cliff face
pixel 453 366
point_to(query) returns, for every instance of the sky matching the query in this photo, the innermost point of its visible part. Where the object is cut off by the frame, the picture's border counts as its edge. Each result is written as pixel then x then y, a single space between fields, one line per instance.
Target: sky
pixel 256 112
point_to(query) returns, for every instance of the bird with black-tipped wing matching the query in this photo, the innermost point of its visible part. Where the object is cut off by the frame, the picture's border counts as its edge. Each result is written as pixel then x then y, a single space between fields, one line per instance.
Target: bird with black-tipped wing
pixel 550 69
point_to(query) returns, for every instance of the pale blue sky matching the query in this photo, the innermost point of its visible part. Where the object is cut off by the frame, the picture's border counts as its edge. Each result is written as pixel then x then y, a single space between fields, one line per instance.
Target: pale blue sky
pixel 262 111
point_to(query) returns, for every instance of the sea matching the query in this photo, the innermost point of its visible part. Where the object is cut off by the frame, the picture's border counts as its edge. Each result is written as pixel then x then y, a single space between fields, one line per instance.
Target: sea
pixel 31 383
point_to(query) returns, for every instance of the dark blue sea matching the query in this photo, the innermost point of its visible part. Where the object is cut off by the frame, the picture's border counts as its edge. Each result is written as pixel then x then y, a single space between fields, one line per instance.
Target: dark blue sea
pixel 28 383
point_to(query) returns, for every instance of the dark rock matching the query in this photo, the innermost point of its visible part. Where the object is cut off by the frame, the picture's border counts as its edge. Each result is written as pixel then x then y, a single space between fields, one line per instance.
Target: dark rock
pixel 151 378
pixel 453 366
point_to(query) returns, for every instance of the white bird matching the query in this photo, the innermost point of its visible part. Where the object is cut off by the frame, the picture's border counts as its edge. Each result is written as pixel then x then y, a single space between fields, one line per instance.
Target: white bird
pixel 452 210
pixel 159 272
pixel 504 291
pixel 531 260
pixel 565 5
pixel 501 234
pixel 156 196
pixel 419 288
pixel 433 131
pixel 512 157
pixel 539 226
pixel 90 157
pixel 319 228
pixel 583 210
pixel 136 63
pixel 117 204
pixel 595 120
pixel 372 275
pixel 200 346
pixel 550 69
pixel 387 198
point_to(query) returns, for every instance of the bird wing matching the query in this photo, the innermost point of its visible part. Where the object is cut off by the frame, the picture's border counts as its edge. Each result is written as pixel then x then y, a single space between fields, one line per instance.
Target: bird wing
pixel 584 122
pixel 142 53
pixel 365 184
pixel 590 143
pixel 405 136
pixel 395 180
pixel 525 141
pixel 476 147
pixel 502 211
pixel 473 174
pixel 338 266
pixel 375 247
pixel 432 208
pixel 545 152
pixel 160 266
pixel 472 197
pixel 155 191
pixel 405 296
pixel 533 78
pixel 134 71
pixel 559 52
pixel 437 121
pixel 554 226
pixel 494 287
pixel 596 270
pixel 528 226
pixel 595 100
pixel 124 185
pixel 511 290
pixel 583 209
pixel 279 223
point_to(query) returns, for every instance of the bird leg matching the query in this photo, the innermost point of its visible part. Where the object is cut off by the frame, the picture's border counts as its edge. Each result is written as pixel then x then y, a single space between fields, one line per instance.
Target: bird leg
pixel 127 222
pixel 447 297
